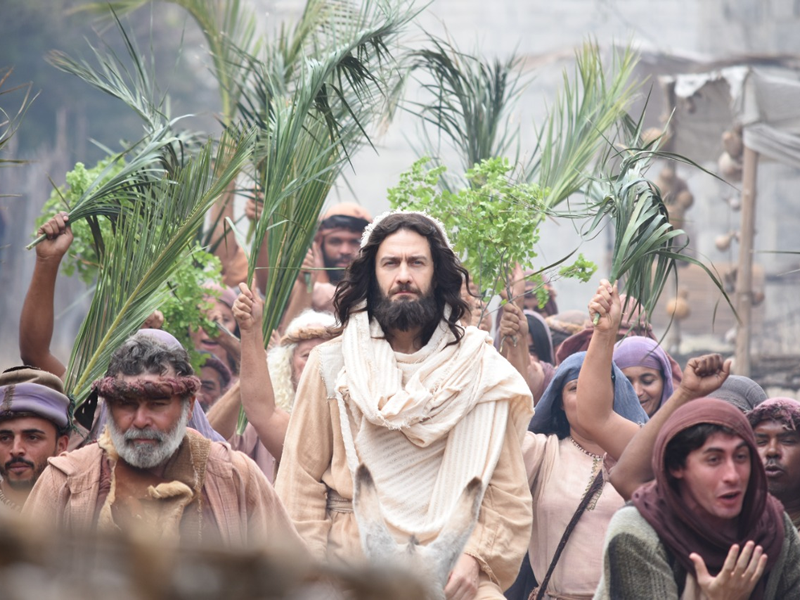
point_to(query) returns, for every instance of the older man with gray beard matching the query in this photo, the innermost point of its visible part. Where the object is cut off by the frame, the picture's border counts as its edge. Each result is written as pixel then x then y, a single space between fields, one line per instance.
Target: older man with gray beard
pixel 149 472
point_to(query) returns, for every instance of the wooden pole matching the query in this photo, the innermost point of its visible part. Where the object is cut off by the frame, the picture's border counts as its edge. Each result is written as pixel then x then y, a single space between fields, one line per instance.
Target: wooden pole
pixel 744 273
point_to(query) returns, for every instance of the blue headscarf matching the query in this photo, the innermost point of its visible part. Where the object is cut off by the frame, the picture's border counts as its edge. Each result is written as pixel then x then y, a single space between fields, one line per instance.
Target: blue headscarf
pixel 626 404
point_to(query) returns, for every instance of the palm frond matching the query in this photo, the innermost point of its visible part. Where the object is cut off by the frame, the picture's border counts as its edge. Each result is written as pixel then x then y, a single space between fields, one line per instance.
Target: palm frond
pixel 577 127
pixel 149 244
pixel 310 125
pixel 471 101
pixel 110 197
pixel 646 245
pixel 9 123
pixel 228 27
pixel 134 86
pixel 156 155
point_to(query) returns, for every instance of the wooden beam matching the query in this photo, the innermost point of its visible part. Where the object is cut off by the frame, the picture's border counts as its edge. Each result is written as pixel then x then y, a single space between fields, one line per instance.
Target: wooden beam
pixel 744 273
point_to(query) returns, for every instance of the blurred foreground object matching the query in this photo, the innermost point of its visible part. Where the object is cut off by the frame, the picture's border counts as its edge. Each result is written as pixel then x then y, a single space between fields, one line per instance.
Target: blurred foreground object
pixel 37 564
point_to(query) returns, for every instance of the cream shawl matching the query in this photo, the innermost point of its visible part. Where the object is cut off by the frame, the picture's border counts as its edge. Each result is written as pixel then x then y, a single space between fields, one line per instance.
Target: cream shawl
pixel 427 423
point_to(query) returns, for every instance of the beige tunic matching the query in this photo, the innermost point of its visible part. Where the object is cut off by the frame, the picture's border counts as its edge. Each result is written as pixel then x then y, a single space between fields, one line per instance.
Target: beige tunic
pixel 314 462
pixel 559 474
pixel 244 506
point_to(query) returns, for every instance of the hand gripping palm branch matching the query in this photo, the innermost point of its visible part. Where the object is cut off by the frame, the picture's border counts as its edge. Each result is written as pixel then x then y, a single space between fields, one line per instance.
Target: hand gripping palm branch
pixel 311 102
pixel 148 246
pixel 646 245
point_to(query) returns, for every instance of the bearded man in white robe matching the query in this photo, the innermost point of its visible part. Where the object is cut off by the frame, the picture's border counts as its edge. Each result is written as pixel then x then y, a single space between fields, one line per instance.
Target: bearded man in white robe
pixel 426 404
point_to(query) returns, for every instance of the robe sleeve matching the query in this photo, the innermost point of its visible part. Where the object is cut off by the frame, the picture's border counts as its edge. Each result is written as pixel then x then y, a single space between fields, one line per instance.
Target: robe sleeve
pixel 635 563
pixel 787 573
pixel 307 455
pixel 501 535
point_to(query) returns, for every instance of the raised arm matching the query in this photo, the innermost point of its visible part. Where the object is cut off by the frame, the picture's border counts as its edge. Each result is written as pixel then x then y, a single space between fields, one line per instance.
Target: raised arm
pixel 36 320
pixel 702 376
pixel 595 412
pixel 514 348
pixel 258 399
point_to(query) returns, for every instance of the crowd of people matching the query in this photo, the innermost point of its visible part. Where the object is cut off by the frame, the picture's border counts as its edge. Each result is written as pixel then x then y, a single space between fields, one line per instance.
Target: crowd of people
pixel 574 456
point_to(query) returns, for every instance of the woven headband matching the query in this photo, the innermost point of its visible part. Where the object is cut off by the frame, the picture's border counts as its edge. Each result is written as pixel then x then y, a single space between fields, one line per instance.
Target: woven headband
pixel 116 390
pixel 308 333
pixel 369 228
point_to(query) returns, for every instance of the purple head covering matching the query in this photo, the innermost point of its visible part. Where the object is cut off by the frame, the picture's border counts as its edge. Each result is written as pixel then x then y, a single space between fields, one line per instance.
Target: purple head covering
pixel 36 399
pixel 637 351
pixel 226 295
pixel 167 339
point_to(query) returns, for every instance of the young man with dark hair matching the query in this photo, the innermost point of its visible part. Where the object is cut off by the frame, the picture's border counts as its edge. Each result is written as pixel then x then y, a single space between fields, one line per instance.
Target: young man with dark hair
pixel 149 472
pixel 775 424
pixel 34 426
pixel 707 526
pixel 424 403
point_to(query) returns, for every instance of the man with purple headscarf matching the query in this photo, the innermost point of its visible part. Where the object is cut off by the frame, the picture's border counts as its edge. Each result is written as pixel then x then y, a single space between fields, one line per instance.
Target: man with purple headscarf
pixel 775 423
pixel 34 426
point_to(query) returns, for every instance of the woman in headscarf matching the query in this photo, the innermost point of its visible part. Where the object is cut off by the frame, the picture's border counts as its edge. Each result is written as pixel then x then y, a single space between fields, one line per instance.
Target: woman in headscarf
pixel 647 366
pixel 702 376
pixel 706 527
pixel 563 464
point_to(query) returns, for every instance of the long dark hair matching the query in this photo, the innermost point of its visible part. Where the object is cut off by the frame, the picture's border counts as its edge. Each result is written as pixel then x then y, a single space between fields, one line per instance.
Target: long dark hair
pixel 360 282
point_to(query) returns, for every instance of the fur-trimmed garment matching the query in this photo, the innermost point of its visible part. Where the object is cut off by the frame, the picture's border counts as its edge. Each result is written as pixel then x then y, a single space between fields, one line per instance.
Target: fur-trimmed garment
pixel 208 493
pixel 638 565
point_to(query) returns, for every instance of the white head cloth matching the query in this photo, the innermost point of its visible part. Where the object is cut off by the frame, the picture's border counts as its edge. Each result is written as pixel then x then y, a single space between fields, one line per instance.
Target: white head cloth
pixel 439 225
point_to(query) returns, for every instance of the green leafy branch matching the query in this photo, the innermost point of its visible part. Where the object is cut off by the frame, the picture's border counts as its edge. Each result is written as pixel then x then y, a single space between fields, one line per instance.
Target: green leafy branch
pixel 493 223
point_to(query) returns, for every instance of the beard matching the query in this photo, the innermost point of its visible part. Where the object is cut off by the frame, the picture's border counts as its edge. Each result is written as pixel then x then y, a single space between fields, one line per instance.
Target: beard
pixel 22 484
pixel 338 272
pixel 404 315
pixel 147 455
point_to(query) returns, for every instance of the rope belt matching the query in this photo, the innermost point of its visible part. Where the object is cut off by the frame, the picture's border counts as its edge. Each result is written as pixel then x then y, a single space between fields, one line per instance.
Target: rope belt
pixel 338 503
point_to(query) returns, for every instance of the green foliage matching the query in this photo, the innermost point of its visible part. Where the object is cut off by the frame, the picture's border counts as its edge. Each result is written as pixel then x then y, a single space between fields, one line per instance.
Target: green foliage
pixel 10 122
pixel 581 269
pixel 82 255
pixel 470 101
pixel 493 224
pixel 147 248
pixel 188 301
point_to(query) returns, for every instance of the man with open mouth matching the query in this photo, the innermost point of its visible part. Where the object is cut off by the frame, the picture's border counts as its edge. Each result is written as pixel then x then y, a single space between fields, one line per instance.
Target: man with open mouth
pixel 706 527
pixel 775 424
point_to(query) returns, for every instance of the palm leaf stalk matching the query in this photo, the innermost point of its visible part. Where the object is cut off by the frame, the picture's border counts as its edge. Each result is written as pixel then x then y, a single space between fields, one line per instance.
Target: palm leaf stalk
pixel 646 247
pixel 471 101
pixel 586 112
pixel 10 123
pixel 309 126
pixel 228 27
pixel 148 246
